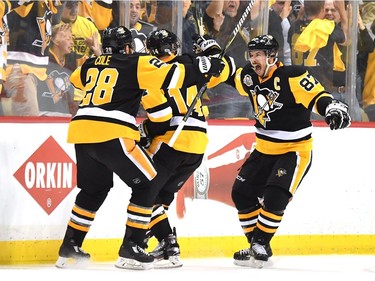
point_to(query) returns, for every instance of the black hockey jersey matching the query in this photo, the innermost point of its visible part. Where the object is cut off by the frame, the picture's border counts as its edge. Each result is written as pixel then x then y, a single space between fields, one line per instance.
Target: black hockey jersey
pixel 31 31
pixel 113 85
pixel 282 106
pixel 170 108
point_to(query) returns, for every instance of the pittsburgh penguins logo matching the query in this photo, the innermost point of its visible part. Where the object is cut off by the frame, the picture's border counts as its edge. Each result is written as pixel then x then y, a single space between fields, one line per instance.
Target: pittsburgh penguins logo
pixel 58 83
pixel 281 172
pixel 139 41
pixel 61 80
pixel 265 103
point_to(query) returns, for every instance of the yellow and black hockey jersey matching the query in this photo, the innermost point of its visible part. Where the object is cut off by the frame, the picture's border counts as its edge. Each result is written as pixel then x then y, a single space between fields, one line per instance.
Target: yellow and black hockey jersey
pixel 31 30
pixel 30 26
pixel 113 85
pixel 169 106
pixel 282 104
pixel 7 7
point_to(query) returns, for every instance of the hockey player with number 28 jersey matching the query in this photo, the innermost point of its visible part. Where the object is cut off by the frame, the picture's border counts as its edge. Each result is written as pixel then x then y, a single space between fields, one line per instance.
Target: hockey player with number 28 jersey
pixel 105 133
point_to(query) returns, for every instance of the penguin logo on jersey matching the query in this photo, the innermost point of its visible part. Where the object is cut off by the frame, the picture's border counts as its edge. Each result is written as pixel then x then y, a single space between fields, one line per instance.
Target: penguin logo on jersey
pixel 58 85
pixel 139 40
pixel 281 172
pixel 264 104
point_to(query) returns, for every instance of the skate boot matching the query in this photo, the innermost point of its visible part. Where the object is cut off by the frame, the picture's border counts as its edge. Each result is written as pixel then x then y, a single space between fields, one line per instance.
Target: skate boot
pixel 244 257
pixel 133 256
pixel 72 255
pixel 258 253
pixel 167 253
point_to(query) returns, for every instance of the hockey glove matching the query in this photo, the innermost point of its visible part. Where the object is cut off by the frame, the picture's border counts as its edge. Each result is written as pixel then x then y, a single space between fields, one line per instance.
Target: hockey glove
pixel 210 66
pixel 205 46
pixel 145 140
pixel 337 116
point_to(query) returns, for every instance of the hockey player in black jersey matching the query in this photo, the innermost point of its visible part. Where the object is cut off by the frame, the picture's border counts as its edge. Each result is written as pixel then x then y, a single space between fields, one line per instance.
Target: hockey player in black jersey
pixel 105 133
pixel 165 110
pixel 282 98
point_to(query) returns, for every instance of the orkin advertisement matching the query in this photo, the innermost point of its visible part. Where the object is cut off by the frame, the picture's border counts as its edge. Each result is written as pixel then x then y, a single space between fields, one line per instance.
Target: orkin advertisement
pixel 38 184
pixel 48 175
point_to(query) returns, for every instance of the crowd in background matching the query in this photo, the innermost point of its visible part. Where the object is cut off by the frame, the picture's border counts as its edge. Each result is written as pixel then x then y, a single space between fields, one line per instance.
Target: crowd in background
pixel 42 42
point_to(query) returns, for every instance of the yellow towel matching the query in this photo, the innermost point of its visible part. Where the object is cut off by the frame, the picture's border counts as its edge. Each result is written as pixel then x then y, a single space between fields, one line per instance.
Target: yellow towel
pixel 315 35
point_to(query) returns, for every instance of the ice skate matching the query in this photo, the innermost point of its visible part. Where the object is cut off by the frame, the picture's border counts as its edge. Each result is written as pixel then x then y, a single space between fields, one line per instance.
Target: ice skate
pixel 246 258
pixel 132 256
pixel 70 255
pixel 258 255
pixel 167 253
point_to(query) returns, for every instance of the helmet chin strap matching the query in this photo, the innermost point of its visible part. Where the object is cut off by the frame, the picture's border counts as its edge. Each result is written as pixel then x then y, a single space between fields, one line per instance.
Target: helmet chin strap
pixel 269 65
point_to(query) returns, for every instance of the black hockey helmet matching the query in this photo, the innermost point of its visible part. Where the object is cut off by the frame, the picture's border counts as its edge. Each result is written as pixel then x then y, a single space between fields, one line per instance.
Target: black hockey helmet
pixel 115 39
pixel 163 42
pixel 266 43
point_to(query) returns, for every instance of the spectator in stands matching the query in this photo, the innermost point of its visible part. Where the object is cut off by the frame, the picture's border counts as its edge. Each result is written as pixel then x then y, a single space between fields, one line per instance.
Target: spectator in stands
pixel 278 27
pixel 4 41
pixel 28 54
pixel 213 17
pixel 315 43
pixel 297 10
pixel 86 36
pixel 368 11
pixel 56 94
pixel 102 13
pixel 339 12
pixel 330 12
pixel 163 15
pixel 190 26
pixel 365 46
pixel 369 77
pixel 139 28
pixel 220 18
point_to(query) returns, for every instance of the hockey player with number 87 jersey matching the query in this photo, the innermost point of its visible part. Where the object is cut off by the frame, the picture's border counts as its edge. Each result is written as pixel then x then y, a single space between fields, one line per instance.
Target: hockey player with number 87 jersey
pixel 283 98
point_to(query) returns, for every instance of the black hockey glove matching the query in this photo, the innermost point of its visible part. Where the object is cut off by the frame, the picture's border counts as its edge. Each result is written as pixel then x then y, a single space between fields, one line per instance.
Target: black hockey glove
pixel 210 66
pixel 337 116
pixel 205 46
pixel 145 140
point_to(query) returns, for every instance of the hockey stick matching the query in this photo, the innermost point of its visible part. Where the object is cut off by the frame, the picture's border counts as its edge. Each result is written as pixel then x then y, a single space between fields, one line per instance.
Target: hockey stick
pixel 204 87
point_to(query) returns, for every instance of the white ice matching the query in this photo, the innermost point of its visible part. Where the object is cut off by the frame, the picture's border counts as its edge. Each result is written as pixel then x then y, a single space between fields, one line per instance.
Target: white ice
pixel 301 268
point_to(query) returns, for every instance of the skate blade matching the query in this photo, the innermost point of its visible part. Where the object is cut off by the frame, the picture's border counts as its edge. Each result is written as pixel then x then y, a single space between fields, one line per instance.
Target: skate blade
pixel 63 262
pixel 245 263
pixel 132 264
pixel 257 263
pixel 171 262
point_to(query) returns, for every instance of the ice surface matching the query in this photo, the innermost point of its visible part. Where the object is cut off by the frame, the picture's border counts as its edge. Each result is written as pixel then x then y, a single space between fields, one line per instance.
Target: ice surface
pixel 301 268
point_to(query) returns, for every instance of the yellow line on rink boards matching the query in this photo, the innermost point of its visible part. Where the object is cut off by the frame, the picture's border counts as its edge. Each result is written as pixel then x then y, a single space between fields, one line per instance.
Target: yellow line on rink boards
pixel 46 251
